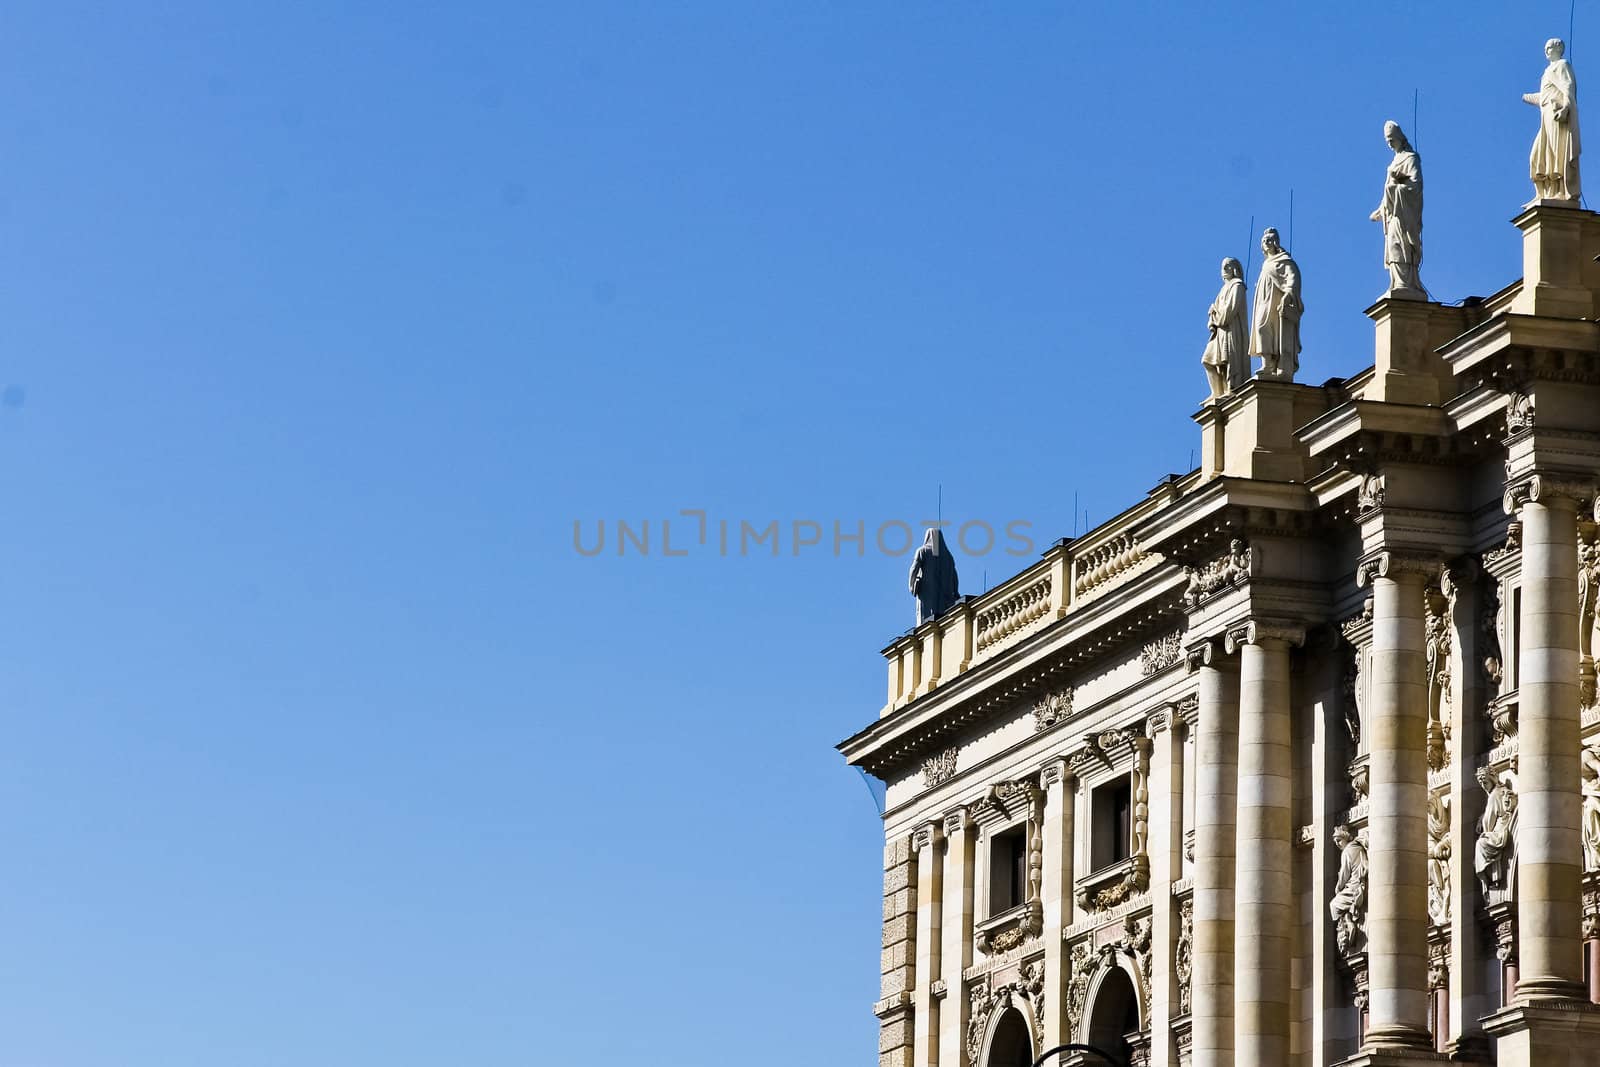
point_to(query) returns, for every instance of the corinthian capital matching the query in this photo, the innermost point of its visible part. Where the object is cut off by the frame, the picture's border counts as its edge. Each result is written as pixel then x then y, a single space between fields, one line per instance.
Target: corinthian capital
pixel 1390 563
pixel 1260 631
pixel 1553 489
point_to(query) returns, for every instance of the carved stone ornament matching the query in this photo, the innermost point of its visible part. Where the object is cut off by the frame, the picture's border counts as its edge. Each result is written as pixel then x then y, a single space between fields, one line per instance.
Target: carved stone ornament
pixel 1505 936
pixel 1052 708
pixel 1513 544
pixel 1352 696
pixel 1589 820
pixel 940 768
pixel 1588 593
pixel 1184 956
pixel 1161 653
pixel 1591 914
pixel 1491 624
pixel 1371 495
pixel 1439 859
pixel 1222 573
pixel 1440 638
pixel 983 999
pixel 1396 565
pixel 1519 413
pixel 1134 943
pixel 1439 964
pixel 1360 778
pixel 1502 712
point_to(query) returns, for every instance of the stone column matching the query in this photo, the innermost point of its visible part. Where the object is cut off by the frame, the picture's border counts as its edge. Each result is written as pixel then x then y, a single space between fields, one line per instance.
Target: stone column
pixel 1263 894
pixel 1470 947
pixel 1397 873
pixel 1057 892
pixel 955 954
pixel 1216 784
pixel 1549 846
pixel 930 884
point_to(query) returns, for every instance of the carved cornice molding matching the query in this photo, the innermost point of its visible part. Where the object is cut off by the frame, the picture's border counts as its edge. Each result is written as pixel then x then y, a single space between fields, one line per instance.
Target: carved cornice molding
pixel 1550 488
pixel 1260 631
pixel 1397 564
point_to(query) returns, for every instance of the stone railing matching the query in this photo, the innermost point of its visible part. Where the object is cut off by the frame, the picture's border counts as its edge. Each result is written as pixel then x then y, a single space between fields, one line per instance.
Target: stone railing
pixel 1016 613
pixel 1108 565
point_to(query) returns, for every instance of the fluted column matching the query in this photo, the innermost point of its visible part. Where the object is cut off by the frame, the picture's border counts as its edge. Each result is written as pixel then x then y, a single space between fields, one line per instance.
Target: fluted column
pixel 1263 894
pixel 1549 849
pixel 955 953
pixel 1056 889
pixel 1216 784
pixel 930 882
pixel 1397 873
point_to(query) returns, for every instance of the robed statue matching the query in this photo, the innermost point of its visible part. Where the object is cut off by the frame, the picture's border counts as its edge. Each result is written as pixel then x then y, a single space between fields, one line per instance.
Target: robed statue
pixel 1275 332
pixel 1227 355
pixel 1401 214
pixel 1494 853
pixel 1589 818
pixel 1553 163
pixel 933 577
pixel 1348 907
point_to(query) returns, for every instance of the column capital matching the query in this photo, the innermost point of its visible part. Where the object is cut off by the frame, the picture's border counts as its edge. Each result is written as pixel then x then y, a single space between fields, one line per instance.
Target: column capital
pixel 927 835
pixel 958 821
pixel 1261 631
pixel 1159 720
pixel 1398 564
pixel 1187 710
pixel 1209 652
pixel 1556 489
pixel 1057 771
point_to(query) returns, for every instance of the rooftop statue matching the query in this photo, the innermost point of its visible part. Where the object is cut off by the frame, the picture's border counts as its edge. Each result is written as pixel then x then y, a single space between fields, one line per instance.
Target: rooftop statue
pixel 1275 335
pixel 1227 357
pixel 933 577
pixel 1553 163
pixel 1401 214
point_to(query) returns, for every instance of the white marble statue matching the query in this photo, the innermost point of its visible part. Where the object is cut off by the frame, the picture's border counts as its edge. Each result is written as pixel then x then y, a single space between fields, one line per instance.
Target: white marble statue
pixel 1227 358
pixel 1495 852
pixel 1589 768
pixel 1275 332
pixel 1401 214
pixel 1553 163
pixel 1348 908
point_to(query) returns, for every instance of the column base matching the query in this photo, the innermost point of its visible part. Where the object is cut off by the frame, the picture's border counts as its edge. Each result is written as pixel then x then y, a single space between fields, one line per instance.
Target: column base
pixel 1394 1057
pixel 1552 1034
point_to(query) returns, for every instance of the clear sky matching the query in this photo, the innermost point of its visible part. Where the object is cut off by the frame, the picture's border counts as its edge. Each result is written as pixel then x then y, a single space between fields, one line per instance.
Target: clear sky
pixel 320 327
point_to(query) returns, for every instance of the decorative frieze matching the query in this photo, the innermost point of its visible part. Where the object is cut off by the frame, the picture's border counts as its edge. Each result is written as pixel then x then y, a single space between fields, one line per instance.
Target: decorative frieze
pixel 1220 574
pixel 939 768
pixel 1161 653
pixel 1052 708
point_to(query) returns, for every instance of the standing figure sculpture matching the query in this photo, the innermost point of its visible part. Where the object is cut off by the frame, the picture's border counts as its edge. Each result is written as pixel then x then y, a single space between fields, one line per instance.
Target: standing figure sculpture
pixel 1589 769
pixel 1439 859
pixel 1494 854
pixel 1553 163
pixel 1401 215
pixel 933 577
pixel 1348 908
pixel 1275 333
pixel 1227 358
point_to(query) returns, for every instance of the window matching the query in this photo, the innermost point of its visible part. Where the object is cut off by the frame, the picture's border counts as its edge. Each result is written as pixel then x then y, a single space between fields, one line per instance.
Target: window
pixel 1111 834
pixel 1008 870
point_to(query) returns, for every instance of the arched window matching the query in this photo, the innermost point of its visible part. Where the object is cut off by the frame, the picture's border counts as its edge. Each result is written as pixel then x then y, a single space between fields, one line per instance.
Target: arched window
pixel 1012 1045
pixel 1115 1015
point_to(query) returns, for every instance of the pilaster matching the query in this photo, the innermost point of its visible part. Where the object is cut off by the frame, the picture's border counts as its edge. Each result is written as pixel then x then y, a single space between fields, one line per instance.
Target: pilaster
pixel 955 954
pixel 1059 791
pixel 1216 794
pixel 927 843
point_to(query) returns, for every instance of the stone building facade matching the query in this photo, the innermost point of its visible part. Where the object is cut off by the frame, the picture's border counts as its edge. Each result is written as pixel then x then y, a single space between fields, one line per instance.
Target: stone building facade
pixel 1294 761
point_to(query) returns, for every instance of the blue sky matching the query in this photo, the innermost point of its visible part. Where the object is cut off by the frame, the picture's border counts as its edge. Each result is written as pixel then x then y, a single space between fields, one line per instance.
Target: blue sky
pixel 321 326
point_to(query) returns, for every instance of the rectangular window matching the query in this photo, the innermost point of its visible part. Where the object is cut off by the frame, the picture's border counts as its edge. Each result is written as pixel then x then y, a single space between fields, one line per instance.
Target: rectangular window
pixel 1008 870
pixel 1111 834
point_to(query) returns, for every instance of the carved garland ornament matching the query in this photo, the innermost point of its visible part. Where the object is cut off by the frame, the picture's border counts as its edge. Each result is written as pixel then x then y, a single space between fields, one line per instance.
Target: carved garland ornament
pixel 1219 574
pixel 1086 961
pixel 1161 653
pixel 939 768
pixel 1184 957
pixel 1052 708
pixel 983 999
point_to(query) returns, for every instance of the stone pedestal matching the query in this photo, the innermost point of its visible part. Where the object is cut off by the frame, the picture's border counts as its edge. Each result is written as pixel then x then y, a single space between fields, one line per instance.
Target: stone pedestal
pixel 1559 243
pixel 1548 1034
pixel 1406 368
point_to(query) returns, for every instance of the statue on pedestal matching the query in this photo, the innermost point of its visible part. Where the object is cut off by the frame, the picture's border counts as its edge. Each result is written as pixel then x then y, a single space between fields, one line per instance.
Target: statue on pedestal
pixel 1275 334
pixel 1348 908
pixel 933 577
pixel 1401 214
pixel 1226 358
pixel 1553 163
